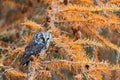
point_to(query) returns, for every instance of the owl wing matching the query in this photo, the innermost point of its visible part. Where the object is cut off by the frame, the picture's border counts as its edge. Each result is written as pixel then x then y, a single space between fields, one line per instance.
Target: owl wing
pixel 31 49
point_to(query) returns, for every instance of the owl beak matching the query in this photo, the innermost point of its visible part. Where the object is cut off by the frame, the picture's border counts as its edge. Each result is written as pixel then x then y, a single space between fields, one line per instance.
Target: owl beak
pixel 45 42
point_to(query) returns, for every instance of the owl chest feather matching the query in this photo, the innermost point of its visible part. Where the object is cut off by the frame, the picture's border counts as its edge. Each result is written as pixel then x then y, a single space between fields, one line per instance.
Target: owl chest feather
pixel 31 49
pixel 34 48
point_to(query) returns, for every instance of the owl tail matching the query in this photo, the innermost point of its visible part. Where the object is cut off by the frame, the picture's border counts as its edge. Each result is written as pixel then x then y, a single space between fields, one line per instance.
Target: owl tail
pixel 25 59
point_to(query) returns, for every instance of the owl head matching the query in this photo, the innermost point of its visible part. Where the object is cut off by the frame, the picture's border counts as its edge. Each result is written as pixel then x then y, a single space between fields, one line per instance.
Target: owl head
pixel 42 37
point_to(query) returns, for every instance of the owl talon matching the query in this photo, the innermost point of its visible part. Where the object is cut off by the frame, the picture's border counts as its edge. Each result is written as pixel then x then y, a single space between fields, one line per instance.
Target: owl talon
pixel 32 58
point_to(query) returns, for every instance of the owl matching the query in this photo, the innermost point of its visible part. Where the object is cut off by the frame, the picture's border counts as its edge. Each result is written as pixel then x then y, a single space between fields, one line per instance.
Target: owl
pixel 38 44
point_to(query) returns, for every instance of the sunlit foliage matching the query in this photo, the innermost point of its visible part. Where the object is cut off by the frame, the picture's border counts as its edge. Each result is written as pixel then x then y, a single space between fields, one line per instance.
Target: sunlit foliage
pixel 85 44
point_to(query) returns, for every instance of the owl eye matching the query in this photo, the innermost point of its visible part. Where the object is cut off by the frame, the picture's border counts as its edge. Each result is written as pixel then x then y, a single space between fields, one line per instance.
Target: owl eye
pixel 42 39
pixel 48 38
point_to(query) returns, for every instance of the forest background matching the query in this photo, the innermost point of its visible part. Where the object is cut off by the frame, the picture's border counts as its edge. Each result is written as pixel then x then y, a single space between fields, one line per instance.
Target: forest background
pixel 85 44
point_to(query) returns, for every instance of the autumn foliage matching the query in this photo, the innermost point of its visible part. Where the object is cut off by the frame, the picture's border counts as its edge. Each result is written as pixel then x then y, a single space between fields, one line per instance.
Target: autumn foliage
pixel 85 39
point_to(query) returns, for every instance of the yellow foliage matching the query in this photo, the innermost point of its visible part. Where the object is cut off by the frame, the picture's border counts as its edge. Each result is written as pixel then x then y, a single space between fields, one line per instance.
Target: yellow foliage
pixel 81 29
pixel 89 42
pixel 32 25
pixel 115 2
pixel 106 42
pixel 15 74
pixel 76 8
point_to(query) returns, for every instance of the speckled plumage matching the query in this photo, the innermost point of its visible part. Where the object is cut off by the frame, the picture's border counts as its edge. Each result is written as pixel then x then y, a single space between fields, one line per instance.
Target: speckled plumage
pixel 39 43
